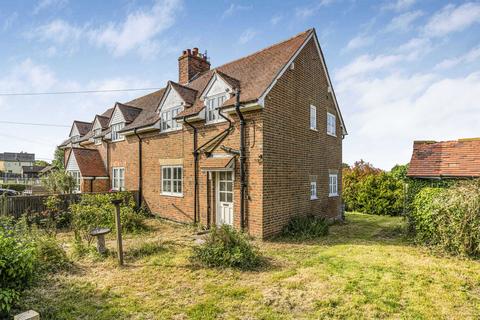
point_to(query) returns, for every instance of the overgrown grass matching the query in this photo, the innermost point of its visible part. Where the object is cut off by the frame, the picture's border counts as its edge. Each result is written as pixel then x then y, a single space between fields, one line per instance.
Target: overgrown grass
pixel 304 228
pixel 363 269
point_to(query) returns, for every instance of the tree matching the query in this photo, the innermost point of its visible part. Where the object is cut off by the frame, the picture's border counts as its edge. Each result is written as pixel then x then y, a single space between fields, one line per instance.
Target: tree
pixel 59 159
pixel 59 182
pixel 41 163
pixel 399 172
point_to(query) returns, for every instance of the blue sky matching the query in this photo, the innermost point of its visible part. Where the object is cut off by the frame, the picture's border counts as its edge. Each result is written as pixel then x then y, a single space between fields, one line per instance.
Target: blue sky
pixel 402 69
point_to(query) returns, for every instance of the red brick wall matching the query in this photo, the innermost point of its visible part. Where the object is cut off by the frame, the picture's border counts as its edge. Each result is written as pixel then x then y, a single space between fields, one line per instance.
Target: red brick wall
pixel 292 151
pixel 97 185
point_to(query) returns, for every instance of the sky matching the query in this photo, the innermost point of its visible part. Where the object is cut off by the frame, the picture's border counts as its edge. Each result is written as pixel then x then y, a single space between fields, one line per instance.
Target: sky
pixel 402 70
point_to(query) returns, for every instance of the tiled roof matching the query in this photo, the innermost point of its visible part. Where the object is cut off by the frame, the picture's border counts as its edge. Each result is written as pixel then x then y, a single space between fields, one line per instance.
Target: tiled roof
pixel 83 127
pixel 188 94
pixel 103 120
pixel 129 112
pixel 254 72
pixel 14 156
pixel 431 159
pixel 216 163
pixel 89 162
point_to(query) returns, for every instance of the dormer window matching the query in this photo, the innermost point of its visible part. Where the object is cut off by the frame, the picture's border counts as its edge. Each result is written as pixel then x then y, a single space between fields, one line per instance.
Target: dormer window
pixel 96 133
pixel 116 135
pixel 212 114
pixel 167 119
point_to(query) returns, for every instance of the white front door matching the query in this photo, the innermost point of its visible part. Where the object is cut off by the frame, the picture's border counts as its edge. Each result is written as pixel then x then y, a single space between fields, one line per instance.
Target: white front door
pixel 225 197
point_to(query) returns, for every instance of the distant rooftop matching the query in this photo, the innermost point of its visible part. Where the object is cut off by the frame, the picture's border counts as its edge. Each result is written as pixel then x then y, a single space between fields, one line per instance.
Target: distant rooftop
pixel 14 156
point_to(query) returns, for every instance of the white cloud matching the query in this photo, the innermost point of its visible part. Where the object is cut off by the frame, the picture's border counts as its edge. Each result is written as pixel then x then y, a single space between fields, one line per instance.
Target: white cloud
pixel 308 11
pixel 247 35
pixel 29 76
pixel 385 115
pixel 365 64
pixel 404 21
pixel 359 42
pixel 398 5
pixel 137 33
pixel 276 19
pixel 452 19
pixel 469 57
pixel 45 4
pixel 234 8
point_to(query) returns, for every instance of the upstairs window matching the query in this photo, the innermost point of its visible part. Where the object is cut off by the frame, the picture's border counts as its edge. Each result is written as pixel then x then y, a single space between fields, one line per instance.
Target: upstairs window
pixel 167 121
pixel 331 124
pixel 96 132
pixel 118 178
pixel 313 117
pixel 212 114
pixel 116 136
pixel 333 185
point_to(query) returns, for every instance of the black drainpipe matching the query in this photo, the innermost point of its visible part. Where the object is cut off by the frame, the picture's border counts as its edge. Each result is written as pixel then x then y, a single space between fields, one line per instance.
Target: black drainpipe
pixel 195 169
pixel 140 176
pixel 243 182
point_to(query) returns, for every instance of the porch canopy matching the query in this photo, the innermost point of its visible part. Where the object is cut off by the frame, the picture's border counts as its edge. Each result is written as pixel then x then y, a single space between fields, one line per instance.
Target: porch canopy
pixel 218 163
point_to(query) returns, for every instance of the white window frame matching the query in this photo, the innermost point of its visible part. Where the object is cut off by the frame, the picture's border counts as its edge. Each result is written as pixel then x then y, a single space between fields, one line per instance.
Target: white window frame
pixel 313 190
pixel 118 178
pixel 77 177
pixel 171 181
pixel 167 119
pixel 313 118
pixel 96 132
pixel 212 114
pixel 333 184
pixel 331 124
pixel 116 136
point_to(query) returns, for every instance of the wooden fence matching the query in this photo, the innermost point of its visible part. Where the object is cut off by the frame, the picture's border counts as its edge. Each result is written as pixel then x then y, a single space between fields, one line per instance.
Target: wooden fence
pixel 18 205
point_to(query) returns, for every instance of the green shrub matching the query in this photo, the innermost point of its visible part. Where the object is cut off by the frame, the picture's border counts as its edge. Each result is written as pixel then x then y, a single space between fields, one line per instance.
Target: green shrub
pixel 226 247
pixel 448 218
pixel 14 186
pixel 50 255
pixel 97 210
pixel 308 227
pixel 17 264
pixel 373 191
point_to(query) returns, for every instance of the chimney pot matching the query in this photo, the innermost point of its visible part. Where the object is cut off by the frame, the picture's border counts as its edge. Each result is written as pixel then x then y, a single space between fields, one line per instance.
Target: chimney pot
pixel 190 64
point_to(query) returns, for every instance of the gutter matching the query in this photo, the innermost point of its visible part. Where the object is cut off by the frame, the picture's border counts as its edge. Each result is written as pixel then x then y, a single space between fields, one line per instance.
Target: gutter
pixel 140 176
pixel 195 160
pixel 243 182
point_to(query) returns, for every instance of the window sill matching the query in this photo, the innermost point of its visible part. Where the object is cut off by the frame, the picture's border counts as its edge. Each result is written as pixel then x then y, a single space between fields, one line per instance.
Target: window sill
pixel 314 198
pixel 314 129
pixel 332 195
pixel 175 195
pixel 331 134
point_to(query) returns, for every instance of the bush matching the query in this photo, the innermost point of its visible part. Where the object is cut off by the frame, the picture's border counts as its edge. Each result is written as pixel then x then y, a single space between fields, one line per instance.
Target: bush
pixel 50 255
pixel 303 228
pixel 14 186
pixel 448 218
pixel 97 210
pixel 17 264
pixel 226 247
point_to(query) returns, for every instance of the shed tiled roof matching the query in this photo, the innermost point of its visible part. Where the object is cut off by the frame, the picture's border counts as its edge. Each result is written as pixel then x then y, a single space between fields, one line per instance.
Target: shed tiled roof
pixel 103 120
pixel 129 112
pixel 431 159
pixel 89 162
pixel 215 163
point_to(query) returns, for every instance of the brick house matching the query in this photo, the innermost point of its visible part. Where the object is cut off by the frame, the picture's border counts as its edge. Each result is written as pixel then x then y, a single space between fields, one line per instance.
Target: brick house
pixel 250 143
pixel 459 159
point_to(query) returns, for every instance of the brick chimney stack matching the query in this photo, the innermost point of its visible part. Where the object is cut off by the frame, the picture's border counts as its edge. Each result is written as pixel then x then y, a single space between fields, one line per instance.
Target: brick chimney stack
pixel 190 63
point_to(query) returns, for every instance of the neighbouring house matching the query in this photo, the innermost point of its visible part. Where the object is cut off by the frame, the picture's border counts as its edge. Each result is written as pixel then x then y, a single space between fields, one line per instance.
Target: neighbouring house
pixel 251 143
pixel 11 163
pixel 459 159
pixel 32 172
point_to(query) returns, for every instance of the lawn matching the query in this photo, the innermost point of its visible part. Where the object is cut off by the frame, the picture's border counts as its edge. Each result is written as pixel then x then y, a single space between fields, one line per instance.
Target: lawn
pixel 364 269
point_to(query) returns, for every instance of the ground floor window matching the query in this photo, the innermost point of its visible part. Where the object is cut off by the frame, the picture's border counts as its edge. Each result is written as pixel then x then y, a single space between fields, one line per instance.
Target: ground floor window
pixel 172 180
pixel 118 178
pixel 333 185
pixel 76 176
pixel 313 190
